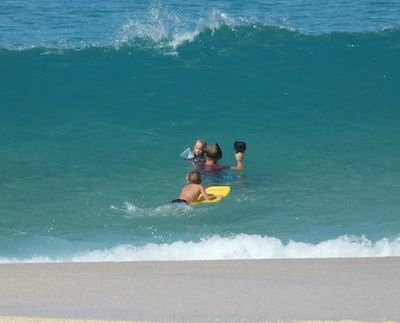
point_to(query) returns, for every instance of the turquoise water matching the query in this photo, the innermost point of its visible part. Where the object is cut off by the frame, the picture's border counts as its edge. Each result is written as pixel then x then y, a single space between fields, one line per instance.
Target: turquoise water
pixel 97 102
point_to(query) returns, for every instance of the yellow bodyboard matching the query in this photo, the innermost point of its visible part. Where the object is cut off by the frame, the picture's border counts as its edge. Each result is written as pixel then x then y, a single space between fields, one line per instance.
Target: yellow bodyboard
pixel 219 191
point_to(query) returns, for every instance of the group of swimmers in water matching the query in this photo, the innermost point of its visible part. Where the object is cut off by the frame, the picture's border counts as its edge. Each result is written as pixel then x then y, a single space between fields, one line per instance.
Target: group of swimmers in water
pixel 205 161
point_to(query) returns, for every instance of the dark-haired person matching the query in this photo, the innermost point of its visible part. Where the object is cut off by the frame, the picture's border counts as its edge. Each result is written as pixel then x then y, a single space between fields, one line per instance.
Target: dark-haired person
pixel 240 148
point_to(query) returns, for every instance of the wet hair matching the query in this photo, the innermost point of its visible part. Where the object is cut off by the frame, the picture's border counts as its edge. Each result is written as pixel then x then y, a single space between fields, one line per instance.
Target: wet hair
pixel 203 144
pixel 194 177
pixel 214 152
pixel 240 146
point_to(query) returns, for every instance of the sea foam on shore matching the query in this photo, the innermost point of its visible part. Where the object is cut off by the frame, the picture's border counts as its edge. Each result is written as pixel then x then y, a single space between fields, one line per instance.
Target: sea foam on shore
pixel 241 246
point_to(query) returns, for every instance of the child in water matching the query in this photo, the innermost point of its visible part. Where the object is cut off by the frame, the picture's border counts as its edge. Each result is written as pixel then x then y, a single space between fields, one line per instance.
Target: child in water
pixel 240 148
pixel 192 190
pixel 197 154
pixel 199 149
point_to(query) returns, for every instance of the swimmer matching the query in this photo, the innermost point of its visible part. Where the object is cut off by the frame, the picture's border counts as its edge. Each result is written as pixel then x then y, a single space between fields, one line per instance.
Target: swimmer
pixel 199 149
pixel 240 148
pixel 214 154
pixel 192 190
pixel 197 154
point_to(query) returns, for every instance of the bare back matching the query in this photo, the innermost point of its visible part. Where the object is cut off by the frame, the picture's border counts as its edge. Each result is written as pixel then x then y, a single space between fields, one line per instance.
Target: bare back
pixel 191 192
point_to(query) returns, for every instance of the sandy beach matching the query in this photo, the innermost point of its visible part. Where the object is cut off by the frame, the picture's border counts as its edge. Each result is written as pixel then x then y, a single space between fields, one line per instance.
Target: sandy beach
pixel 360 289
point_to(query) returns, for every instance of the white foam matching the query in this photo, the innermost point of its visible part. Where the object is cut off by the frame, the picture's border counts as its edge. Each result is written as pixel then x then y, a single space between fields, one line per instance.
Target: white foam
pixel 166 29
pixel 130 210
pixel 241 246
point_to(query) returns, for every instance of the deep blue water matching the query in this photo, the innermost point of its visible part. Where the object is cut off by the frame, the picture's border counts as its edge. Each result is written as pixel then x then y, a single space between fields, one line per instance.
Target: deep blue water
pixel 98 100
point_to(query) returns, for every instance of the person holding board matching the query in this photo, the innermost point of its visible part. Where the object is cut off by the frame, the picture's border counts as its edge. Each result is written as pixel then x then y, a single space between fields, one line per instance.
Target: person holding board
pixel 193 190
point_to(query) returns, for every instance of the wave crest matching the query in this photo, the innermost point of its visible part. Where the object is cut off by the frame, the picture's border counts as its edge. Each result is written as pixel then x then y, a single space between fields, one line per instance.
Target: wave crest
pixel 241 246
pixel 164 28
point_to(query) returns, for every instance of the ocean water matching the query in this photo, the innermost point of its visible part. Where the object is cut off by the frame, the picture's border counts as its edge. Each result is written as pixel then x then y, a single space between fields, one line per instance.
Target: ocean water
pixel 98 100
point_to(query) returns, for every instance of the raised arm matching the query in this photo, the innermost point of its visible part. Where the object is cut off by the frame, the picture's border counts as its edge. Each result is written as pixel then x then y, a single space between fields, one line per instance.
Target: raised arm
pixel 239 161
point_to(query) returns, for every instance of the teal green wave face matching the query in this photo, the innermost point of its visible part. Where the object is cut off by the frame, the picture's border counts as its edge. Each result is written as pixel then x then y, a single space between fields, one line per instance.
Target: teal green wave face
pixel 73 24
pixel 90 141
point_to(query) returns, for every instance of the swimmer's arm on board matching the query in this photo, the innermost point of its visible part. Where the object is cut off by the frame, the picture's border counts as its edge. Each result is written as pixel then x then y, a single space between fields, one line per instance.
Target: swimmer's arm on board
pixel 206 196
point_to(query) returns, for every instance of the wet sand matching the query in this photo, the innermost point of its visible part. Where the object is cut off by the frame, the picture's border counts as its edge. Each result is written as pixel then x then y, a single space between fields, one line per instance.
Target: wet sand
pixel 360 289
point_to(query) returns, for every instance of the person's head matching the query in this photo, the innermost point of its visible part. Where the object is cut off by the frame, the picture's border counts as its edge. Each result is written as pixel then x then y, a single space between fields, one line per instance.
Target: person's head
pixel 214 152
pixel 199 147
pixel 240 146
pixel 194 177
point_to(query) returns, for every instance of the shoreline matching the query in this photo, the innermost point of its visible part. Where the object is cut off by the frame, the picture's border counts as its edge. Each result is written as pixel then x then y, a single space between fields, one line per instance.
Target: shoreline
pixel 355 289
